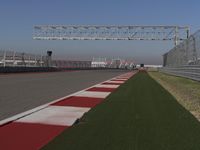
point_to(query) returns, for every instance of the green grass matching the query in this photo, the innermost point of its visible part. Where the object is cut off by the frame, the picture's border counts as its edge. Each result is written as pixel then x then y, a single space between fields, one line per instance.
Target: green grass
pixel 140 115
pixel 186 91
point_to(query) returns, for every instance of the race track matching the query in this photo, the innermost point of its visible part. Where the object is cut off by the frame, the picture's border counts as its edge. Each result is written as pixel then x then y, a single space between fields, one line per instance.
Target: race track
pixel 21 92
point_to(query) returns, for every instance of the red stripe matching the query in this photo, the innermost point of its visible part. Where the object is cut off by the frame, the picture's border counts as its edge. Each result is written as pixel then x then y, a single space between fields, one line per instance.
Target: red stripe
pixel 101 89
pixel 27 136
pixel 79 101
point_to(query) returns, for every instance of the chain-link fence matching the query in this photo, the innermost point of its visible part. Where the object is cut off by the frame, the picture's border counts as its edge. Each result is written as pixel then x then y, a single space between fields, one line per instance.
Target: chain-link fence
pixel 186 53
pixel 184 59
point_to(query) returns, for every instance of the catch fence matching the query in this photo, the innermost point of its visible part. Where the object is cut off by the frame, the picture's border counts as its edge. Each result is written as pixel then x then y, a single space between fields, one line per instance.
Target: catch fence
pixel 184 59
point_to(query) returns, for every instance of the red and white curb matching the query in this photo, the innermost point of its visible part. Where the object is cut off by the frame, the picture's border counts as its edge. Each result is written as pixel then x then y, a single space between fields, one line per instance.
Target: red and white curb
pixel 35 128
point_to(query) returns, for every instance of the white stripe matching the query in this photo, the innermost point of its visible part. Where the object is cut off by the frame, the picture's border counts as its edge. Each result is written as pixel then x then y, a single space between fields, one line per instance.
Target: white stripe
pixel 107 86
pixel 120 79
pixel 55 115
pixel 115 82
pixel 93 94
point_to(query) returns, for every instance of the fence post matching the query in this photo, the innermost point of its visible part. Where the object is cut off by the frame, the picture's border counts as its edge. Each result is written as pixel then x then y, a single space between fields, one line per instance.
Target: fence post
pixel 4 58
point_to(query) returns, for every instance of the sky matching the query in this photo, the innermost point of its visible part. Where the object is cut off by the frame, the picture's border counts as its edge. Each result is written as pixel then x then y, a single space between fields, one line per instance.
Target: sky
pixel 17 18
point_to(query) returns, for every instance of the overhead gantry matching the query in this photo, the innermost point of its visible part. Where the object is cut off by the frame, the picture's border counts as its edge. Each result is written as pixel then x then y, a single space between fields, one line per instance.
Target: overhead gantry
pixel 110 32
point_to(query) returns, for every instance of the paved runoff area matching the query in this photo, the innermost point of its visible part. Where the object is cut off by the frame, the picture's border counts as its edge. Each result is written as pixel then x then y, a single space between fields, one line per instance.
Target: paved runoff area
pixel 33 130
pixel 22 92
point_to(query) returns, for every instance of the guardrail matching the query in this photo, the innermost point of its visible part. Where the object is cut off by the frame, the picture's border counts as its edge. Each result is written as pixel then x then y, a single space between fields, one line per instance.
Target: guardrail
pixel 187 71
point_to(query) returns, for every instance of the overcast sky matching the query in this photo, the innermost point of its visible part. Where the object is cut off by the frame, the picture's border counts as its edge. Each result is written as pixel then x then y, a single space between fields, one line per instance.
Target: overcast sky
pixel 17 18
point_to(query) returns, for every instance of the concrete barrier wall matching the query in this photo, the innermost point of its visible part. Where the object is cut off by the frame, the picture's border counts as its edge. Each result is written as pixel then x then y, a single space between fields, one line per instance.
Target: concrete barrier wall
pixel 45 69
pixel 26 69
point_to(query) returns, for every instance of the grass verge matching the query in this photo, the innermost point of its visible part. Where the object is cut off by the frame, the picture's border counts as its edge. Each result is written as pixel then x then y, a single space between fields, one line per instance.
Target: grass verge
pixel 186 91
pixel 139 115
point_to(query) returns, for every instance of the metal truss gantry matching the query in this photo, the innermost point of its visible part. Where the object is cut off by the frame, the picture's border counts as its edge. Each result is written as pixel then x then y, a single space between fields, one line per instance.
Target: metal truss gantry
pixel 101 32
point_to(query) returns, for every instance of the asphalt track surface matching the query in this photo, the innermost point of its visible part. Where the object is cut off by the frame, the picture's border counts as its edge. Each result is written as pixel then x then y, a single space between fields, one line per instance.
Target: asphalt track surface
pixel 21 92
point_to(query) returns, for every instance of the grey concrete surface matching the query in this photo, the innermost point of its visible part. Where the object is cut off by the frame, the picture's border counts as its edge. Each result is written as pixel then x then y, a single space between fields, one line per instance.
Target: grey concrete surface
pixel 21 92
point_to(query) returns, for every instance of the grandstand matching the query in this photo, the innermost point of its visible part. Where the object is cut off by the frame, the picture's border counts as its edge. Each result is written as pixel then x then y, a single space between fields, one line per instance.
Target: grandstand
pixel 99 62
pixel 71 64
pixel 17 59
